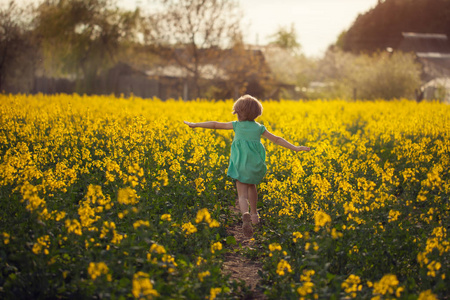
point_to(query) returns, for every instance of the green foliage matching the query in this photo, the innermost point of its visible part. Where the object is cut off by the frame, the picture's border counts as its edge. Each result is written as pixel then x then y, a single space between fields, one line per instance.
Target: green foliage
pixel 82 38
pixel 381 27
pixel 378 76
pixel 17 50
pixel 286 39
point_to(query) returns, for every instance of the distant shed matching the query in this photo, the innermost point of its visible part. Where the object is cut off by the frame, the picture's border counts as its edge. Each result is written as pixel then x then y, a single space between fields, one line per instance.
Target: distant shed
pixel 432 51
pixel 424 42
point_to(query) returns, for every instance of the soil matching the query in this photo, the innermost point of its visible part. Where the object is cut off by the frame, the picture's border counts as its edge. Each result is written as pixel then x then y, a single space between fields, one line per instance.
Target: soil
pixel 240 267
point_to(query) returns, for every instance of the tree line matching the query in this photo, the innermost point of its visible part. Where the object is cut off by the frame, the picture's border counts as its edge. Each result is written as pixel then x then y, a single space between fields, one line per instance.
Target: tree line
pixel 82 39
pixel 382 26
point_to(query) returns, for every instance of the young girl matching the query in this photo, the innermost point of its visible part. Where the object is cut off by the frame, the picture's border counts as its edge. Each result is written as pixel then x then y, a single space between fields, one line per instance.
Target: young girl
pixel 247 160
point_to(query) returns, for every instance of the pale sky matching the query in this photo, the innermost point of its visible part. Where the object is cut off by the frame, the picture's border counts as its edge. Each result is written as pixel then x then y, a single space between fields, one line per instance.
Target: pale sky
pixel 318 23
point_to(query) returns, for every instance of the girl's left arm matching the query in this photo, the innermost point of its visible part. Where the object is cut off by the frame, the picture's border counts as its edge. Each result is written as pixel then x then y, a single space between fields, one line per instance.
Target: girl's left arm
pixel 211 125
pixel 282 142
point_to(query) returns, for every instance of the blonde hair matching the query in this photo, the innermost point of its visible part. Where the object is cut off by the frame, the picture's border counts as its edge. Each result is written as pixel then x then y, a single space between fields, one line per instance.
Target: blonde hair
pixel 248 108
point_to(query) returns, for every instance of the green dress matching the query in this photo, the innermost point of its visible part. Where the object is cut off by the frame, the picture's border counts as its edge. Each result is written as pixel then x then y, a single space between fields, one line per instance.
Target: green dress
pixel 247 158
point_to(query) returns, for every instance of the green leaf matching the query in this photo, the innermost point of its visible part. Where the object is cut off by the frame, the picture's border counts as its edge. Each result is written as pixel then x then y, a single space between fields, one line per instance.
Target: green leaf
pixel 231 240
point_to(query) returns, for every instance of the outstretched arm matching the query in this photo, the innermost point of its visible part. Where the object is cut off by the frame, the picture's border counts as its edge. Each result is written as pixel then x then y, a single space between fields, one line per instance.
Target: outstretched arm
pixel 282 142
pixel 210 125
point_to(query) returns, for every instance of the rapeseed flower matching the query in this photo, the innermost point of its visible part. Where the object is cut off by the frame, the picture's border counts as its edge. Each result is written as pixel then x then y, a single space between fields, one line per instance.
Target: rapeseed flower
pixel 143 287
pixel 216 247
pixel 214 292
pixel 6 238
pixel 321 219
pixel 166 217
pixel 42 244
pixel 189 228
pixel 202 275
pixel 283 267
pixel 352 285
pixel 387 285
pixel 97 269
pixel 427 295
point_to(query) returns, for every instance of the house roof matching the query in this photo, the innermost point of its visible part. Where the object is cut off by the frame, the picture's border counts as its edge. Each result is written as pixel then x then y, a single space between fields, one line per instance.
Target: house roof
pixel 424 43
pixel 206 71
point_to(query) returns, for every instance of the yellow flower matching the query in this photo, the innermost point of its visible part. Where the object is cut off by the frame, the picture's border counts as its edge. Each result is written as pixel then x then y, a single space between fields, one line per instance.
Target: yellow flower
pixel 352 285
pixel 140 223
pixel 335 234
pixel 282 267
pixel 305 289
pixel 97 269
pixel 306 276
pixel 200 260
pixel 143 287
pixel 199 186
pixel 127 196
pixel 6 238
pixel 60 215
pixel 386 285
pixel 321 219
pixel 73 226
pixel 155 248
pixel 427 295
pixel 297 235
pixel 166 217
pixel 214 224
pixel 213 293
pixel 42 245
pixel 274 247
pixel 393 215
pixel 216 247
pixel 202 275
pixel 432 268
pixel 203 215
pixel 169 259
pixel 189 228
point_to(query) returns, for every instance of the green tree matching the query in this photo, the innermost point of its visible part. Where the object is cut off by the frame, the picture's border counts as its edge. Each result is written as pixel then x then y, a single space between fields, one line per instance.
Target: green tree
pixel 382 26
pixel 17 50
pixel 381 75
pixel 288 64
pixel 286 39
pixel 80 38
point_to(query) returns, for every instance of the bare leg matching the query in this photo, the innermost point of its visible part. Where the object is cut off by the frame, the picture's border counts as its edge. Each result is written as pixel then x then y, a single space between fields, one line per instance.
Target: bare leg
pixel 242 190
pixel 252 198
pixel 243 194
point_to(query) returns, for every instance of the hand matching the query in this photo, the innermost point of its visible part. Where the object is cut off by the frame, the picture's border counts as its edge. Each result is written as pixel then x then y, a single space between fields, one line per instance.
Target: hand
pixel 190 124
pixel 302 148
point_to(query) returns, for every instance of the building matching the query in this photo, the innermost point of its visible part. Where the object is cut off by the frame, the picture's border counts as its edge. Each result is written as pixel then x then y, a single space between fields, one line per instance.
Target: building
pixel 433 53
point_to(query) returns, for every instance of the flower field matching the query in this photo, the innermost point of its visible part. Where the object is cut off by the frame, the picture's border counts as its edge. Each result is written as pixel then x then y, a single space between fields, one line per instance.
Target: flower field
pixel 103 197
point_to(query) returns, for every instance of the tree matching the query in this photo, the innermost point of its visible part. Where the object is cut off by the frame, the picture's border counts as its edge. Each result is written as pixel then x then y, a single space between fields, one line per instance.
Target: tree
pixel 286 39
pixel 192 33
pixel 382 26
pixel 82 37
pixel 245 71
pixel 289 66
pixel 16 48
pixel 381 75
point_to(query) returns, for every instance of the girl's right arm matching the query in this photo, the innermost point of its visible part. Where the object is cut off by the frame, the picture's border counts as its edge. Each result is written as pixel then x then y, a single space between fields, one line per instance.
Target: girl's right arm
pixel 210 125
pixel 282 142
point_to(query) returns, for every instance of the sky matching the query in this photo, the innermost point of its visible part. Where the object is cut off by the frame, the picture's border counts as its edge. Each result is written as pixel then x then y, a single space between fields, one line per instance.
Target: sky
pixel 317 23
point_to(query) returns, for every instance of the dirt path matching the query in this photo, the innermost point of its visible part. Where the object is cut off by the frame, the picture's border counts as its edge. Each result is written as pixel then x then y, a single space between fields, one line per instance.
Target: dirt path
pixel 240 267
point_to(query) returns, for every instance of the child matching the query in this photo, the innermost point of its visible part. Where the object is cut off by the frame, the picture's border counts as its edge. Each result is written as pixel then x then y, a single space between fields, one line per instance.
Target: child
pixel 247 160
